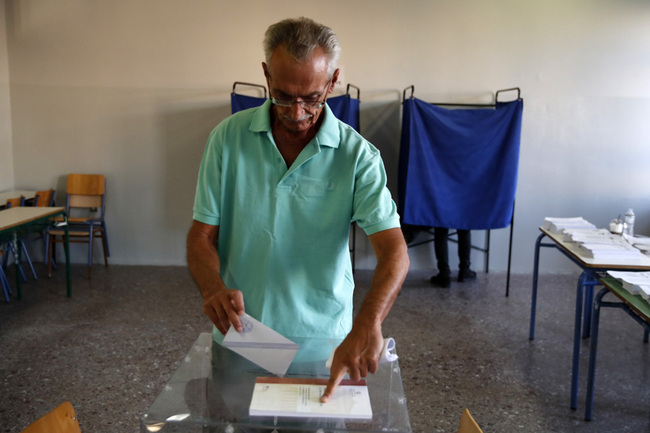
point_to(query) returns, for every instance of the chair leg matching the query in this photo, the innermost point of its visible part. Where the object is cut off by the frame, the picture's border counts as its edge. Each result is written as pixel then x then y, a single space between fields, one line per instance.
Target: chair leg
pixel 105 245
pixel 49 247
pixel 107 251
pixel 21 244
pixel 90 251
pixel 49 241
pixel 13 250
pixel 6 289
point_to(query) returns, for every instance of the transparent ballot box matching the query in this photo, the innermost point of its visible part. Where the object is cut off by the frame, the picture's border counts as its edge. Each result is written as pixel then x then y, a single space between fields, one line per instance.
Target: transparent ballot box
pixel 211 391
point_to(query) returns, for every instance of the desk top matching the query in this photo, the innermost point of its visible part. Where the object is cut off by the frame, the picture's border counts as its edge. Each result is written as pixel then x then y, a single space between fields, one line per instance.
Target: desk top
pixel 213 387
pixel 635 302
pixel 17 216
pixel 4 196
pixel 643 264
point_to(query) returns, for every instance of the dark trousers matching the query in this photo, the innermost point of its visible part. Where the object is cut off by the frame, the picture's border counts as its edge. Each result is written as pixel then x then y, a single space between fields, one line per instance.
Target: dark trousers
pixel 442 251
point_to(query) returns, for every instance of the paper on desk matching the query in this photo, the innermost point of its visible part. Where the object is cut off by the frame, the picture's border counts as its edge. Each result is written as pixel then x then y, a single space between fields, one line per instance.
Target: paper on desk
pixel 387 353
pixel 261 345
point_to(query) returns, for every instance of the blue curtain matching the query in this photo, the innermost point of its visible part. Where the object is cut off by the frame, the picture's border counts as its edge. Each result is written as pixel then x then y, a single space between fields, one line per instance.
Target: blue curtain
pixel 458 167
pixel 344 107
pixel 243 102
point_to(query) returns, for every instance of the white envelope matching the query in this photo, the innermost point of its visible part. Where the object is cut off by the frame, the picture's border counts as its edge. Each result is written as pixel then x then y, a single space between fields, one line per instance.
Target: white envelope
pixel 261 345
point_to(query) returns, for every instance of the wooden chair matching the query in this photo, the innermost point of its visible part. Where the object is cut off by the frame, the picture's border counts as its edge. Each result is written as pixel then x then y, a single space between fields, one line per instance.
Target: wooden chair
pixel 85 207
pixel 15 202
pixel 41 199
pixel 63 419
pixel 467 423
pixel 44 198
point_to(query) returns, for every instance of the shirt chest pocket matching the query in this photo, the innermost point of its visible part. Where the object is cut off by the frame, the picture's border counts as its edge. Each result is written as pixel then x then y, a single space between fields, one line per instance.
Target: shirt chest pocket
pixel 316 189
pixel 320 203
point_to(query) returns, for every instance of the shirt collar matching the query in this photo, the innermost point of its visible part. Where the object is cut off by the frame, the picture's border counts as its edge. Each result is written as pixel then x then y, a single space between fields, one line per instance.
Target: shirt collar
pixel 327 135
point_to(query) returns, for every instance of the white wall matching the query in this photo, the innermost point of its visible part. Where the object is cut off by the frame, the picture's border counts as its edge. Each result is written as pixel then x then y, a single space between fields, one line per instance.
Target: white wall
pixel 132 89
pixel 6 150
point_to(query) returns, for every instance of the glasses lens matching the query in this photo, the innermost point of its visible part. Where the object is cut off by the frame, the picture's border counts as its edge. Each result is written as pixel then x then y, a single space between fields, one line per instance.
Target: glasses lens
pixel 281 103
pixel 313 105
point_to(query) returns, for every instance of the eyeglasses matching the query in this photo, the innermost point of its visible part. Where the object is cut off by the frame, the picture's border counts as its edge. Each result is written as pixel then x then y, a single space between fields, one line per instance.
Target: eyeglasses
pixel 307 105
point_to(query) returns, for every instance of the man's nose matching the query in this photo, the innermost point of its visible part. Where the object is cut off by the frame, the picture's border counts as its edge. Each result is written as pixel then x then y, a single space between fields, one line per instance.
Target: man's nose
pixel 297 111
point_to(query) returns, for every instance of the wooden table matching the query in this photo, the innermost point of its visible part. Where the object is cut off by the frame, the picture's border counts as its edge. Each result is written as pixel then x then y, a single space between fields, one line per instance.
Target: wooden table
pixel 584 292
pixel 17 222
pixel 4 196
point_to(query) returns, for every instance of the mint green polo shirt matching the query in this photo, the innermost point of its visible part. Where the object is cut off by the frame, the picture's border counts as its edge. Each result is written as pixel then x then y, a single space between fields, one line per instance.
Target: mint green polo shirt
pixel 283 233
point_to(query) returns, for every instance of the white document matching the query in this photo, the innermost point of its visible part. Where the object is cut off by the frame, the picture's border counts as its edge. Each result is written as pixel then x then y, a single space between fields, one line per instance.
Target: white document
pixel 261 345
pixel 301 398
pixel 387 353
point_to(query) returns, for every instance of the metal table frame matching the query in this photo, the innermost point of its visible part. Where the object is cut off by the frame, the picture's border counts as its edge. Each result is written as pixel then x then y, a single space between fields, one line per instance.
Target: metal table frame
pixel 634 306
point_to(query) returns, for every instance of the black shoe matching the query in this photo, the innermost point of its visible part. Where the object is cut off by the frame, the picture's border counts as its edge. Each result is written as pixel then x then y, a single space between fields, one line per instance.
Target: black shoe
pixel 466 275
pixel 441 280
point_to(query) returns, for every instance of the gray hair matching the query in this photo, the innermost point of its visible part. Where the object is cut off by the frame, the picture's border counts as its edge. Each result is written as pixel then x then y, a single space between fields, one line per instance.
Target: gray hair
pixel 301 36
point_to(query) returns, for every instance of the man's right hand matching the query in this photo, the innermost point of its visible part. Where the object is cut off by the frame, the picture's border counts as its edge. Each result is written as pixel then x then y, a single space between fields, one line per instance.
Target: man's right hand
pixel 224 308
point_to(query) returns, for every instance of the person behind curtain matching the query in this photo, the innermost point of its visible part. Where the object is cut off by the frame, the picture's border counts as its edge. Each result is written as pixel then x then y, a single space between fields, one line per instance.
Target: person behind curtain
pixel 443 279
pixel 277 190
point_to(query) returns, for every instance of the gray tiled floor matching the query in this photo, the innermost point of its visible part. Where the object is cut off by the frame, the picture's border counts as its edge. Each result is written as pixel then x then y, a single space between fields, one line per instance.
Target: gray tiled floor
pixel 111 347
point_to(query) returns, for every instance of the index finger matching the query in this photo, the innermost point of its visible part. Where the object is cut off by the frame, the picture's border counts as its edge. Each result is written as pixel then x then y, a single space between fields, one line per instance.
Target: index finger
pixel 335 379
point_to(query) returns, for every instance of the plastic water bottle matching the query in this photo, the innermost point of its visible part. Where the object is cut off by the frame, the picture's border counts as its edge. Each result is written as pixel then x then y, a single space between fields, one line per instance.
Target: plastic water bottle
pixel 629 222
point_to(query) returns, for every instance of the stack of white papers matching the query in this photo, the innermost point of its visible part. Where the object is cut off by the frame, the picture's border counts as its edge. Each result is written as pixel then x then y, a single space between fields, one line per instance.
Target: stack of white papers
pixel 592 242
pixel 556 225
pixel 594 236
pixel 613 252
pixel 642 243
pixel 637 283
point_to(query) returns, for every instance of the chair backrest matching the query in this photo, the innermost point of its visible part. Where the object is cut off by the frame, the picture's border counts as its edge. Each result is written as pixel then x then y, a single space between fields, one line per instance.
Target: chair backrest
pixel 63 419
pixel 44 198
pixel 86 190
pixel 467 423
pixel 15 202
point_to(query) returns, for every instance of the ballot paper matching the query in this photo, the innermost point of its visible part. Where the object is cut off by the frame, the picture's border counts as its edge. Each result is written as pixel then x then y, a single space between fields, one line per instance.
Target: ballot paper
pixel 387 353
pixel 556 225
pixel 636 283
pixel 261 345
pixel 296 397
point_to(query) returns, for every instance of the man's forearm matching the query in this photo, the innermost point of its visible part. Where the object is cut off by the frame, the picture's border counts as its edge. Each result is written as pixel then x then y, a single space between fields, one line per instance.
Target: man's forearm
pixel 391 270
pixel 203 261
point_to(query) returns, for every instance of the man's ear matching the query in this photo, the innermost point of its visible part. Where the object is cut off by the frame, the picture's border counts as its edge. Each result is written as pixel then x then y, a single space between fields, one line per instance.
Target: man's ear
pixel 265 68
pixel 335 78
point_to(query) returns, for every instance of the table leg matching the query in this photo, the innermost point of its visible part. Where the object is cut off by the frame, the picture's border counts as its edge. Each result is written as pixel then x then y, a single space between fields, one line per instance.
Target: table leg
pixel 66 247
pixel 576 340
pixel 593 348
pixel 19 289
pixel 588 303
pixel 533 303
pixel 592 280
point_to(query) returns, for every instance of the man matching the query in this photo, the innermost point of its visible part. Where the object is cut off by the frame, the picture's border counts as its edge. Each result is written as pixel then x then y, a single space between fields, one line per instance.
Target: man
pixel 278 188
